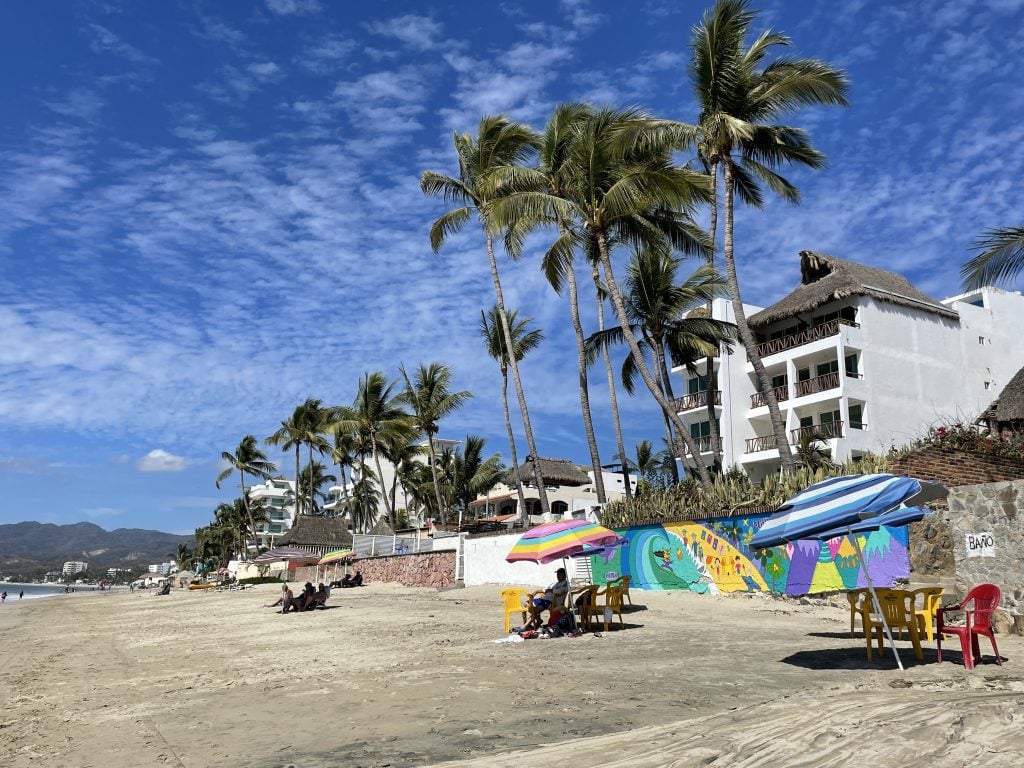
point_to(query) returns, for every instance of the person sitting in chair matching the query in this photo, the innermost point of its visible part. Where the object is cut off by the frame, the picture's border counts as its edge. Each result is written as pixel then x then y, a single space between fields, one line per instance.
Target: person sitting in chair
pixel 543 599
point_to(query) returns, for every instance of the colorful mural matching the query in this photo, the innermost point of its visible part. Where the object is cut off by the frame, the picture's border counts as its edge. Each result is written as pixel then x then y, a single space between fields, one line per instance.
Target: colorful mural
pixel 714 556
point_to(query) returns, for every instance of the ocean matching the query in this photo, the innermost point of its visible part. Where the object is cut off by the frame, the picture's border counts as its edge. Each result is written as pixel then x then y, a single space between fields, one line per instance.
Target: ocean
pixel 33 591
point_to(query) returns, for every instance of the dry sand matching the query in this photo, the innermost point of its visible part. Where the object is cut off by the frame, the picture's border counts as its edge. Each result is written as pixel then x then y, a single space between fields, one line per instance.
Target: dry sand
pixel 392 676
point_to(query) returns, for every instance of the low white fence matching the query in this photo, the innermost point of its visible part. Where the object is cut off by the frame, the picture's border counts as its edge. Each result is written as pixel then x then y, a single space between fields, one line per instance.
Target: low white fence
pixel 365 545
pixel 484 563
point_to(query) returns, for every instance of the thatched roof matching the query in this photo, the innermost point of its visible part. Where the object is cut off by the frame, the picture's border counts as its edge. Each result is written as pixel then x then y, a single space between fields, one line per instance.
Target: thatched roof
pixel 554 472
pixel 312 531
pixel 381 528
pixel 1010 405
pixel 824 278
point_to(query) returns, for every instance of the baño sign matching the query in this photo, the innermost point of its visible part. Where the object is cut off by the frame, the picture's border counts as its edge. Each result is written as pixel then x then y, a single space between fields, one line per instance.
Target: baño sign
pixel 981 544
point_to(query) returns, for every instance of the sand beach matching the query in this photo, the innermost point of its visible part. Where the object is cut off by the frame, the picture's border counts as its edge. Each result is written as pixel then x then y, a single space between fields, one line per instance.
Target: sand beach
pixel 395 676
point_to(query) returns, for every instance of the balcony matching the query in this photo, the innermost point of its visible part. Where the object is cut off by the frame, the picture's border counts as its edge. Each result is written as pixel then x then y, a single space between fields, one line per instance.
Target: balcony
pixel 817 384
pixel 814 333
pixel 696 400
pixel 758 398
pixel 703 443
pixel 755 444
pixel 824 431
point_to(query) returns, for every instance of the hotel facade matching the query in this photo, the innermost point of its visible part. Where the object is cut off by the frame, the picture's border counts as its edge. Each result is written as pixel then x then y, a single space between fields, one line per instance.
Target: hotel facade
pixel 859 359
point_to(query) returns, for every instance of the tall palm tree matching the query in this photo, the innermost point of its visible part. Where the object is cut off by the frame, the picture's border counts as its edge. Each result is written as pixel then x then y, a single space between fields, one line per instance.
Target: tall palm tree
pixel 658 307
pixel 247 459
pixel 1000 258
pixel 601 296
pixel 622 186
pixel 303 427
pixel 646 461
pixel 428 393
pixel 183 557
pixel 377 417
pixel 314 475
pixel 501 350
pixel 343 454
pixel 499 144
pixel 740 96
pixel 472 473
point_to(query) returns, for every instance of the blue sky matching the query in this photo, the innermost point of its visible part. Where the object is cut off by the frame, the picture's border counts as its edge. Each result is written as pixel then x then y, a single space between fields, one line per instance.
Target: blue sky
pixel 211 211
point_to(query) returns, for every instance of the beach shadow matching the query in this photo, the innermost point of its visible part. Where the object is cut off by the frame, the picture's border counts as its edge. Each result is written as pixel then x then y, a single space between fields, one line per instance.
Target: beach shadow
pixel 855 657
pixel 836 635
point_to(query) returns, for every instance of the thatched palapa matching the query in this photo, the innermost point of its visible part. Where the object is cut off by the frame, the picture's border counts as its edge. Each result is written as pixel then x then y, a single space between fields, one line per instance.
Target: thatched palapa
pixel 317 534
pixel 553 472
pixel 1007 411
pixel 825 278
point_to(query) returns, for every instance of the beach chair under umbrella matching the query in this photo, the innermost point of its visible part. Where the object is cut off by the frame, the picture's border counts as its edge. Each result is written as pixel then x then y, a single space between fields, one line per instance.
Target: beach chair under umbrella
pixel 337 556
pixel 834 506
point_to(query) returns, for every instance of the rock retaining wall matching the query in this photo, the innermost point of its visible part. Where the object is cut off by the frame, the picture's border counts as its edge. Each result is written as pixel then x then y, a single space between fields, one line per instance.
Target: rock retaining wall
pixel 416 569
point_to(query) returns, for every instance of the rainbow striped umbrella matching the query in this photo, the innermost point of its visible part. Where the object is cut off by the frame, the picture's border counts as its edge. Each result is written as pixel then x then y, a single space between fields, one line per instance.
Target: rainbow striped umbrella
pixel 562 538
pixel 336 555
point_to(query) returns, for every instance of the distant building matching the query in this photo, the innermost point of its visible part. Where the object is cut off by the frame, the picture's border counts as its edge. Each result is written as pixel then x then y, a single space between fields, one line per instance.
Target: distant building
pixel 278 497
pixel 115 573
pixel 859 360
pixel 163 568
pixel 73 567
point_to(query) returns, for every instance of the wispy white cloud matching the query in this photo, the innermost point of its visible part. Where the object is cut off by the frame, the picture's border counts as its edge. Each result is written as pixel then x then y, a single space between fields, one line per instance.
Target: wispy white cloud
pixel 159 460
pixel 105 41
pixel 418 32
pixel 82 104
pixel 327 54
pixel 294 7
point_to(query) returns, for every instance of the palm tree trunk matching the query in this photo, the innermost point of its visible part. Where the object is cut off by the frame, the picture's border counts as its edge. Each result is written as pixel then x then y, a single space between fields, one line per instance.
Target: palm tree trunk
pixel 749 343
pixel 380 479
pixel 612 396
pixel 663 381
pixel 248 512
pixel 512 442
pixel 588 420
pixel 709 369
pixel 433 475
pixel 514 365
pixel 298 482
pixel 641 364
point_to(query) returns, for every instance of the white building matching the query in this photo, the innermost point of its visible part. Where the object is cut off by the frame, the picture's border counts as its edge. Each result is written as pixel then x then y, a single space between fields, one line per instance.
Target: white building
pixel 162 568
pixel 860 357
pixel 73 567
pixel 278 497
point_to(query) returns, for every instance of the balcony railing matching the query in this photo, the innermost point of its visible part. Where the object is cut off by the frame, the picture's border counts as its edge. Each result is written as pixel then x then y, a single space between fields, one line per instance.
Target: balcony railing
pixel 696 400
pixel 703 443
pixel 758 398
pixel 825 431
pixel 814 333
pixel 817 384
pixel 755 444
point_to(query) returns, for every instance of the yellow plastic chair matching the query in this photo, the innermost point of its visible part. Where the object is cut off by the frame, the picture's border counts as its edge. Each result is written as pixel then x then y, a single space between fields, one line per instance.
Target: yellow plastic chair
pixel 512 599
pixel 898 610
pixel 586 607
pixel 623 582
pixel 925 614
pixel 613 603
pixel 858 598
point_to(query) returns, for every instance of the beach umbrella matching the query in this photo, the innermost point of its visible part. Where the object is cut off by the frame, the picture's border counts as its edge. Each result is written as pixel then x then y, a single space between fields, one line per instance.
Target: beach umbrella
pixel 338 554
pixel 892 519
pixel 558 540
pixel 286 553
pixel 839 503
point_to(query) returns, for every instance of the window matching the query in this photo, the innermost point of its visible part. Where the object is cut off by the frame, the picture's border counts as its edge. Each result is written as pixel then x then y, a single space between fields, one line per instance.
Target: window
pixel 779 381
pixel 803 374
pixel 990 385
pixel 696 384
pixel 703 429
pixel 851 366
pixel 829 417
pixel 981 340
pixel 559 507
pixel 845 313
pixel 857 416
pixel 823 369
pixel 806 421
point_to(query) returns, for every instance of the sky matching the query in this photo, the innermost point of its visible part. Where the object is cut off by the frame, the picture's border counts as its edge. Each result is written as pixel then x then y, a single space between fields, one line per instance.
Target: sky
pixel 210 211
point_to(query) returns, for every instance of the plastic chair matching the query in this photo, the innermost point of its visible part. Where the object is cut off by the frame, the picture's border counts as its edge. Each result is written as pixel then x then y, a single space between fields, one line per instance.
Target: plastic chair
pixel 585 600
pixel 984 599
pixel 925 615
pixel 623 582
pixel 611 606
pixel 898 611
pixel 512 599
pixel 857 598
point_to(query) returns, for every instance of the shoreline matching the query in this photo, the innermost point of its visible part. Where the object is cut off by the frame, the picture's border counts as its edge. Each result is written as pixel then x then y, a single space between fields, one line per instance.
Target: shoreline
pixel 409 677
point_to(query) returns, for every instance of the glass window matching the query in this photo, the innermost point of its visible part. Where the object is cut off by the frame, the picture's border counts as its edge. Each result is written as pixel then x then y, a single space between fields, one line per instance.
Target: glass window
pixel 851 365
pixel 806 421
pixel 779 381
pixel 829 417
pixel 803 374
pixel 700 429
pixel 857 416
pixel 822 369
pixel 696 384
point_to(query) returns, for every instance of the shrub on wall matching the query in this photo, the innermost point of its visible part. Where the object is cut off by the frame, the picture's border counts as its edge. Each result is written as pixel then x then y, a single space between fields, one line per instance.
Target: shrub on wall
pixel 965 437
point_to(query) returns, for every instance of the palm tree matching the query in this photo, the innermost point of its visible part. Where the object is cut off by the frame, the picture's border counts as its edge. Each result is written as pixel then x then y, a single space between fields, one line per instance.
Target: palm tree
pixel 812 452
pixel 376 417
pixel 247 459
pixel 622 186
pixel 523 341
pixel 613 401
pixel 740 96
pixel 658 309
pixel 183 557
pixel 343 454
pixel 303 427
pixel 499 144
pixel 473 474
pixel 314 475
pixel 1000 258
pixel 647 462
pixel 429 395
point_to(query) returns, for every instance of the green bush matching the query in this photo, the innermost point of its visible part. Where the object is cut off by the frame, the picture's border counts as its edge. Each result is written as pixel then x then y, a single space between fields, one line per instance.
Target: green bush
pixel 261 580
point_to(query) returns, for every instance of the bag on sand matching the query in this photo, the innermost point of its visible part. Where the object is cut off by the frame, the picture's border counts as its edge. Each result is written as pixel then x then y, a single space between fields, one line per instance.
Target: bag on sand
pixel 567 623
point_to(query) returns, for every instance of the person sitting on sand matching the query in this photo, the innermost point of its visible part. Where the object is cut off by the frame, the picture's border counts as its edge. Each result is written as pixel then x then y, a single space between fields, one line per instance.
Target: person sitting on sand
pixel 306 599
pixel 357 580
pixel 286 594
pixel 320 599
pixel 543 599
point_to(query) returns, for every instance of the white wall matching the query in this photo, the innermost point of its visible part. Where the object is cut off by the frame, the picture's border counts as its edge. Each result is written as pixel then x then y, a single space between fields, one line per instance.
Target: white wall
pixel 484 563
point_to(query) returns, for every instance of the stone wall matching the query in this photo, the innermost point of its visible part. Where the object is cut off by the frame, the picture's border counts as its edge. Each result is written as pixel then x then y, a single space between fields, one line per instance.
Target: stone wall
pixel 953 468
pixel 416 569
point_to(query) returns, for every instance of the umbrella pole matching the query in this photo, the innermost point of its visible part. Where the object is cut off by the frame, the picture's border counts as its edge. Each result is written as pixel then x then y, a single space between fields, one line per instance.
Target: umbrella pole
pixel 874 597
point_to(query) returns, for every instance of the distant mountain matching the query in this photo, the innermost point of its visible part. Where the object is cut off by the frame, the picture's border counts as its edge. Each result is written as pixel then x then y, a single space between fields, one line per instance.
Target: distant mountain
pixel 34 548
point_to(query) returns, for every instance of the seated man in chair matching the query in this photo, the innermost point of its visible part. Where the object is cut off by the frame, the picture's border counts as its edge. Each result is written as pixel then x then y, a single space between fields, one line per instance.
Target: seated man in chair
pixel 545 599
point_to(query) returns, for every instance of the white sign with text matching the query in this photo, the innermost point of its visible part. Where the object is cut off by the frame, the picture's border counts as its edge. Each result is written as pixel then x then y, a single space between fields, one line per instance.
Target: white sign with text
pixel 981 544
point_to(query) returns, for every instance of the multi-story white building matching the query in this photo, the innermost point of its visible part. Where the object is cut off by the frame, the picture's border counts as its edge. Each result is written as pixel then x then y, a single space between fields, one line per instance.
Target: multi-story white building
pixel 278 497
pixel 72 567
pixel 163 569
pixel 341 494
pixel 859 357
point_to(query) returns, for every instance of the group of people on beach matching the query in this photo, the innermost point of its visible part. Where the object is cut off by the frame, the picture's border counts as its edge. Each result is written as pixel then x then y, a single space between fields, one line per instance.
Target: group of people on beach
pixel 309 598
pixel 349 581
pixel 3 595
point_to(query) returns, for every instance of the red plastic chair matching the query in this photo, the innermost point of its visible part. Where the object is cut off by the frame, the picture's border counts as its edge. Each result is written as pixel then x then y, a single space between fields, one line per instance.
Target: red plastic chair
pixel 977 621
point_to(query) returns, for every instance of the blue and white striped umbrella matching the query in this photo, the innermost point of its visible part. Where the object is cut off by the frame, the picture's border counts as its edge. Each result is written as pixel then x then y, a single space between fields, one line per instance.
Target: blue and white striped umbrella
pixel 892 519
pixel 840 502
